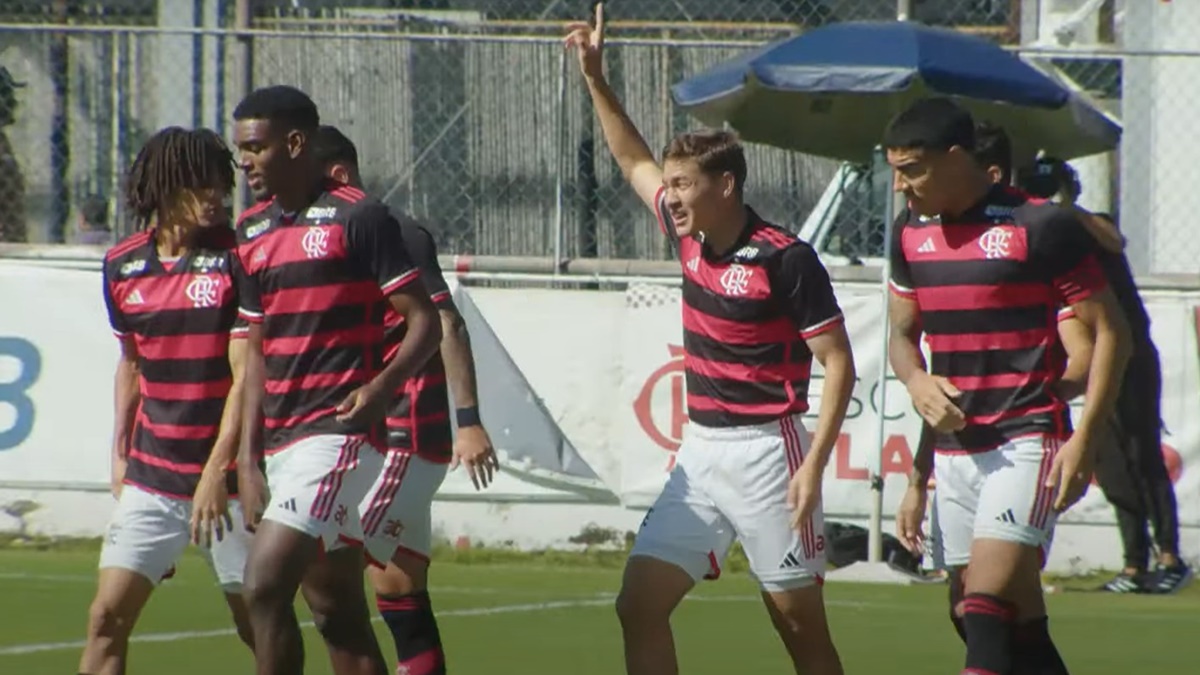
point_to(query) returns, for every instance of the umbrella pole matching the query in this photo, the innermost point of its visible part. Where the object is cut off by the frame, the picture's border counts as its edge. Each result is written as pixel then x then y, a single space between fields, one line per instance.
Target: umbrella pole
pixel 874 569
pixel 875 522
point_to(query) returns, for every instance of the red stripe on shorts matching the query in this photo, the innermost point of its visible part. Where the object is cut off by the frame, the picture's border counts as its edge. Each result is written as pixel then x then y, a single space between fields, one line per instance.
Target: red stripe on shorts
pixel 331 484
pixel 795 452
pixel 393 476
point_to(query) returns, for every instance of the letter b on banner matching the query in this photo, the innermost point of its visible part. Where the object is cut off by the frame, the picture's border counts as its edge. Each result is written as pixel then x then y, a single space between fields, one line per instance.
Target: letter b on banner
pixel 20 366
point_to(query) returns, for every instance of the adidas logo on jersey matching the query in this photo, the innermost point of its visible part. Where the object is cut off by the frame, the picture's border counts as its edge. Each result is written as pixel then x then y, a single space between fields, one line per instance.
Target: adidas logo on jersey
pixel 927 247
pixel 1007 517
pixel 135 298
pixel 693 264
pixel 790 561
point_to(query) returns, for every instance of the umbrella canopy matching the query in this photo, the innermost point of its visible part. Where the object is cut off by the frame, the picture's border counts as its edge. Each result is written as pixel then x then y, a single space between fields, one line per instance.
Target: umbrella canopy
pixel 832 91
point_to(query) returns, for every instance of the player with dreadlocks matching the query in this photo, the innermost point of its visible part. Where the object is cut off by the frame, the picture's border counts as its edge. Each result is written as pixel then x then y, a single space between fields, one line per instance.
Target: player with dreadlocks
pixel 173 305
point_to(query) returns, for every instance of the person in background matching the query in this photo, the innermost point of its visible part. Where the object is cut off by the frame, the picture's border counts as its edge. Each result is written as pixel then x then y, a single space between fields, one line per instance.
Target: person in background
pixel 13 228
pixel 93 222
pixel 1129 465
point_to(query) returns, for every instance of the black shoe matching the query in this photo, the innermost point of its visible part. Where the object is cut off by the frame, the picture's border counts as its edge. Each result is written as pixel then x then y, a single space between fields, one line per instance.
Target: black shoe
pixel 1167 580
pixel 1127 583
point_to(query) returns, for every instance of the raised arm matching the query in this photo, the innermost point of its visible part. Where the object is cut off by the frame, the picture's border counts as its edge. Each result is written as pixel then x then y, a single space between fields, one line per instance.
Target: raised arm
pixel 623 138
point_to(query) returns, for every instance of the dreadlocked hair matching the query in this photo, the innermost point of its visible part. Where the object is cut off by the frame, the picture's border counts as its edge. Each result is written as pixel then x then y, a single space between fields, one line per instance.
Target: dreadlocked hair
pixel 176 159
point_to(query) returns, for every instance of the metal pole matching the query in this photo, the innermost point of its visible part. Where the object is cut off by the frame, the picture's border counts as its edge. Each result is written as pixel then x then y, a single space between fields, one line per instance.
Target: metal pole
pixel 875 524
pixel 903 10
pixel 560 152
pixel 115 210
pixel 243 81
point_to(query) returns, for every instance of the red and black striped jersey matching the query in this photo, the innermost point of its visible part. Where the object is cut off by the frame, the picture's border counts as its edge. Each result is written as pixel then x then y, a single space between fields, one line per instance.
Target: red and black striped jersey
pixel 746 318
pixel 989 286
pixel 419 419
pixel 180 314
pixel 316 280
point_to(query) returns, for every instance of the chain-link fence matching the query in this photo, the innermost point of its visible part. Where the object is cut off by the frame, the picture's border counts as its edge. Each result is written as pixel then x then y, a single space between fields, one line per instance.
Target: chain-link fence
pixel 469 115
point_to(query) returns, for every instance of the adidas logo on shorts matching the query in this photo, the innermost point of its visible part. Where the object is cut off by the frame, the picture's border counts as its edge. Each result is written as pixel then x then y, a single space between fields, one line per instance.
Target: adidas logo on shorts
pixel 1007 517
pixel 789 562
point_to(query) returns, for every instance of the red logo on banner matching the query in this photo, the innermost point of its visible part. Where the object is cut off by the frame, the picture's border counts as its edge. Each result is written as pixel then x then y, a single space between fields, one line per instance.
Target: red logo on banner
pixel 667 380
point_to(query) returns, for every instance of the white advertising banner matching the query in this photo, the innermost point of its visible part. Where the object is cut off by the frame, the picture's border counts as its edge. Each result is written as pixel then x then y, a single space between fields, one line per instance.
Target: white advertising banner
pixel 604 366
pixel 652 389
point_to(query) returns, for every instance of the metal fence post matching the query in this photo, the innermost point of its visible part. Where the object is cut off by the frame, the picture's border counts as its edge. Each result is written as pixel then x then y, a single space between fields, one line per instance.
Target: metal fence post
pixel 243 80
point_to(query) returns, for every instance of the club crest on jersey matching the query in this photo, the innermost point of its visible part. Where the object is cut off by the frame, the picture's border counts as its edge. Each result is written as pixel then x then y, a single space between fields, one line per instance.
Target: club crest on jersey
pixel 995 243
pixel 202 291
pixel 736 280
pixel 315 242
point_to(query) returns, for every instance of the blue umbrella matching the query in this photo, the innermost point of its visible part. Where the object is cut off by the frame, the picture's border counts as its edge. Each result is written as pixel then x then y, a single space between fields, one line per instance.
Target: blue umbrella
pixel 831 91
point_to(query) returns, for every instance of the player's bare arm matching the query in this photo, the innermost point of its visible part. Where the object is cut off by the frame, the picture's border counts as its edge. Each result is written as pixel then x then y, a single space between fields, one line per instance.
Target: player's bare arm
pixel 931 395
pixel 1079 344
pixel 369 402
pixel 126 396
pixel 624 140
pixel 1072 468
pixel 911 513
pixel 473 446
pixel 252 492
pixel 832 350
pixel 210 505
pixel 423 338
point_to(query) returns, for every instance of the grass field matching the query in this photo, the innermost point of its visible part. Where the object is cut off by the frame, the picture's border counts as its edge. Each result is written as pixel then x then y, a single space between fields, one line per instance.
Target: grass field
pixel 552 615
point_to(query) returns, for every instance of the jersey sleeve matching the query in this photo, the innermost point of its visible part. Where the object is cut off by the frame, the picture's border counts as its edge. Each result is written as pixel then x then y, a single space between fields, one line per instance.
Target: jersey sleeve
pixel 1066 313
pixel 116 318
pixel 375 242
pixel 805 291
pixel 900 281
pixel 422 250
pixel 1063 248
pixel 249 293
pixel 240 329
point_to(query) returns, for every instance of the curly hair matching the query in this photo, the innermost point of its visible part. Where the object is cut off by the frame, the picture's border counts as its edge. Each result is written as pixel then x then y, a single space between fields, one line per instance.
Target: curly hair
pixel 176 159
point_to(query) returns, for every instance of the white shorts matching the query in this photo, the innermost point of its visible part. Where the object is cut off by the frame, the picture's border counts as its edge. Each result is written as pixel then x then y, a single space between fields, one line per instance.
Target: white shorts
pixel 397 512
pixel 997 494
pixel 731 483
pixel 149 531
pixel 317 483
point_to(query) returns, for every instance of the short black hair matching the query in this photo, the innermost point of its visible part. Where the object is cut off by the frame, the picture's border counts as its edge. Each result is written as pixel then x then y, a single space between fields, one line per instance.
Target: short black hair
pixel 330 145
pixel 280 104
pixel 993 147
pixel 931 124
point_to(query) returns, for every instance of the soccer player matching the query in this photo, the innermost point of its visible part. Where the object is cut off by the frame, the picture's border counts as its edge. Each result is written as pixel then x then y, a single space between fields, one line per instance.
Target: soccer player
pixel 396 514
pixel 981 271
pixel 758 305
pixel 1129 465
pixel 172 303
pixel 317 263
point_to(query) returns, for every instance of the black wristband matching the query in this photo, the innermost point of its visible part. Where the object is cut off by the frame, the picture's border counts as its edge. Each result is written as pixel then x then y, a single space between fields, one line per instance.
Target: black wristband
pixel 468 417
